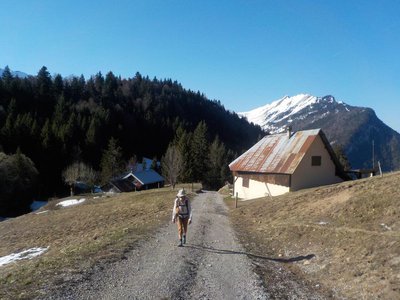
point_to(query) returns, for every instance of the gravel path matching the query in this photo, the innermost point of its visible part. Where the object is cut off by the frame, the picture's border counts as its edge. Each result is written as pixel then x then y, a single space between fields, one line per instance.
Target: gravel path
pixel 210 266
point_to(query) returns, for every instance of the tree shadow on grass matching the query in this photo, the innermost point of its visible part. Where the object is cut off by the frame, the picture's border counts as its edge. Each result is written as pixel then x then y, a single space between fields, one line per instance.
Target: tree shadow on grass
pixel 222 251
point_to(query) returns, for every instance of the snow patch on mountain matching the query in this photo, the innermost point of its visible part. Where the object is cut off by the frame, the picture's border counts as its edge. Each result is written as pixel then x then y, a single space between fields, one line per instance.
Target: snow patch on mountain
pixel 286 110
pixel 279 110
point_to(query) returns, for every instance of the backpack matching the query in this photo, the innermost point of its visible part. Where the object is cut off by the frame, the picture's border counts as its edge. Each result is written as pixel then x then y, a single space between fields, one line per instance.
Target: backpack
pixel 183 209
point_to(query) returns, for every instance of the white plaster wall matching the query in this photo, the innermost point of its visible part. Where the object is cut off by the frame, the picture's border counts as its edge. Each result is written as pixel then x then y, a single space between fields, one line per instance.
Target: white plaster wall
pixel 307 176
pixel 257 189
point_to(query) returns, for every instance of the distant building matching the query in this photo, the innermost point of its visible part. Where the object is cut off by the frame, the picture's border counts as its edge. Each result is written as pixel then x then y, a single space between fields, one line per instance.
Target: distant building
pixel 135 181
pixel 286 162
pixel 118 185
pixel 145 179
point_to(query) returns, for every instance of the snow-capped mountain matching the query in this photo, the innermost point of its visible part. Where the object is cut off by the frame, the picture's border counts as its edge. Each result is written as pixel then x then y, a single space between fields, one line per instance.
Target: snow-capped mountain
pixel 356 129
pixel 275 116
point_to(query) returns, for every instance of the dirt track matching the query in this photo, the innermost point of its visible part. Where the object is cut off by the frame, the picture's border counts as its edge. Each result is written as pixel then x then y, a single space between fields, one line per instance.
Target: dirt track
pixel 212 265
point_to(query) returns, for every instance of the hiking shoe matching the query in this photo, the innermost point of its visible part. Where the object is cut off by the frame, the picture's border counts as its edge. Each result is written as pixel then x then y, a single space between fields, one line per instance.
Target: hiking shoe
pixel 180 244
pixel 184 239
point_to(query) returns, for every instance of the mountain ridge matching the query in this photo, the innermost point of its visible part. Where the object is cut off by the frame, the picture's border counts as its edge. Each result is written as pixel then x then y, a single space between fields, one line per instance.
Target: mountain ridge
pixel 364 137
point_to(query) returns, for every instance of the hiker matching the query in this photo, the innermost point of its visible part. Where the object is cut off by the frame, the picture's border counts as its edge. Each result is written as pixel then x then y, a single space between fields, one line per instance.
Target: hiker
pixel 182 215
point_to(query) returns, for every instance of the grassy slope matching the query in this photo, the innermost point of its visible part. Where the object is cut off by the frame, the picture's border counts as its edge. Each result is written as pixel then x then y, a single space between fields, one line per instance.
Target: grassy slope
pixel 355 256
pixel 352 228
pixel 96 231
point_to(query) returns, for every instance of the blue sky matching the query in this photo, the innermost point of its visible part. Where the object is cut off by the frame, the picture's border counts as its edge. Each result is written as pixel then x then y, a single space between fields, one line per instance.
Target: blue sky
pixel 244 53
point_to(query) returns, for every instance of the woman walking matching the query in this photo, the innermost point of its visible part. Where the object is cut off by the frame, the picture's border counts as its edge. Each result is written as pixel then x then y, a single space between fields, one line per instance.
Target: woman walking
pixel 182 215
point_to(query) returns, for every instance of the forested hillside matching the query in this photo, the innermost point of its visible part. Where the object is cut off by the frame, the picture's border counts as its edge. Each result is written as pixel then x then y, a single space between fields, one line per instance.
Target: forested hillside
pixel 56 121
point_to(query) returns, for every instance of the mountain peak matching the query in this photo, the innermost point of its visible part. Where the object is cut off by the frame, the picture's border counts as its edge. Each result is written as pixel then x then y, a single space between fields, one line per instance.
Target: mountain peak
pixel 280 110
pixel 352 127
pixel 329 98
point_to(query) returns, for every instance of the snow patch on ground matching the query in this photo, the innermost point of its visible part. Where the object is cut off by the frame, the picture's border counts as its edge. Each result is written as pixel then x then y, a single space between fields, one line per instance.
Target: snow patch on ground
pixel 26 254
pixel 71 202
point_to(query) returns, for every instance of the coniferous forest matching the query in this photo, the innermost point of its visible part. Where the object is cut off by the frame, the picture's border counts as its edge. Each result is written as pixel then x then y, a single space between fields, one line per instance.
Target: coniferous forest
pixel 48 123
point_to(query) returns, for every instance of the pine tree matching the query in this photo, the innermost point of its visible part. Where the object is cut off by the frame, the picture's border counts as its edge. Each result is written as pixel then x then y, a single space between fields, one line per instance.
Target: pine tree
pixel 112 164
pixel 7 77
pixel 59 118
pixel 144 164
pixel 98 84
pixel 199 151
pixel 109 90
pixel 58 85
pixel 341 156
pixel 183 141
pixel 44 82
pixel 46 134
pixel 44 93
pixel 93 132
pixel 217 164
pixel 70 130
pixel 154 166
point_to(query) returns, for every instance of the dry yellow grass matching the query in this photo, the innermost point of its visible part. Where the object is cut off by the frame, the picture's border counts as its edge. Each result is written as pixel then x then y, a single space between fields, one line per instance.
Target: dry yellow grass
pixel 80 236
pixel 352 228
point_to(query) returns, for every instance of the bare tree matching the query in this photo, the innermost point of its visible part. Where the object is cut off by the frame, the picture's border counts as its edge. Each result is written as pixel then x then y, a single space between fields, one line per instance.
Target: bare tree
pixel 90 177
pixel 172 165
pixel 71 175
pixel 79 171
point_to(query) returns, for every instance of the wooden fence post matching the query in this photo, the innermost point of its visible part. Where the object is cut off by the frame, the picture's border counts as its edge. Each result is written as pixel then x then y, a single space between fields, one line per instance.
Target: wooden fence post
pixel 269 192
pixel 236 200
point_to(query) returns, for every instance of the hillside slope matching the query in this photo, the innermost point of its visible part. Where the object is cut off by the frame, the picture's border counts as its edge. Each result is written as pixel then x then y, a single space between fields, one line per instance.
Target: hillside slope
pixel 352 229
pixel 77 238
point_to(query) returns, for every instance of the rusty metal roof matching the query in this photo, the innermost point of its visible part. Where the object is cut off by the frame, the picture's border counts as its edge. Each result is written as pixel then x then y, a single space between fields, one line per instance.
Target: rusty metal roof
pixel 277 153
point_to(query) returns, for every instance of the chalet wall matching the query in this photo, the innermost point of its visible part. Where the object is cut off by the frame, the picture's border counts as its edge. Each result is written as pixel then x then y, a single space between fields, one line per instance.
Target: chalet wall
pixel 306 175
pixel 257 189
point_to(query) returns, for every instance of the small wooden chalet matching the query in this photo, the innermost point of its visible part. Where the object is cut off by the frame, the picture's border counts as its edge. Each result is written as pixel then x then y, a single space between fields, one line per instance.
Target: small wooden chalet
pixel 119 185
pixel 140 177
pixel 145 179
pixel 286 162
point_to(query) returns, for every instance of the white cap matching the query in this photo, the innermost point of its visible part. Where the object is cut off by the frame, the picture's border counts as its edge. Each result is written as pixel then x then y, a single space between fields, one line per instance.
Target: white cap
pixel 181 193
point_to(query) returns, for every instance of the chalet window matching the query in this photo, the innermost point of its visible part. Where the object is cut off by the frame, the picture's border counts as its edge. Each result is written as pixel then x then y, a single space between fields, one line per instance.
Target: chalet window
pixel 245 182
pixel 315 160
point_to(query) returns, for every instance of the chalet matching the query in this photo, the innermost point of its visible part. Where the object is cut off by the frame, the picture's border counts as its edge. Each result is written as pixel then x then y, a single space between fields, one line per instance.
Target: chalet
pixel 286 162
pixel 119 185
pixel 140 177
pixel 145 179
